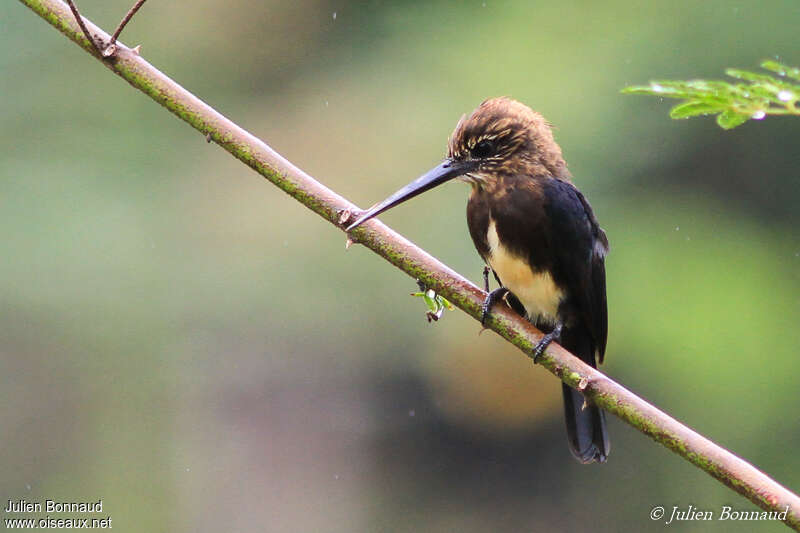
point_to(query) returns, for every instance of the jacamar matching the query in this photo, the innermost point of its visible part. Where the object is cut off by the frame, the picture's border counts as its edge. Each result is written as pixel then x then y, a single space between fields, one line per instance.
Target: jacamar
pixel 539 236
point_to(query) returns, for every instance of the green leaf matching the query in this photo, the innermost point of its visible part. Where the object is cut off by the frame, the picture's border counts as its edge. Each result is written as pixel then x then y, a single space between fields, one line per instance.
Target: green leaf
pixel 749 76
pixel 692 109
pixel 435 303
pixel 730 119
pixel 446 303
pixel 781 69
pixel 763 94
pixel 757 96
pixel 430 302
pixel 636 89
pixel 664 89
pixel 709 87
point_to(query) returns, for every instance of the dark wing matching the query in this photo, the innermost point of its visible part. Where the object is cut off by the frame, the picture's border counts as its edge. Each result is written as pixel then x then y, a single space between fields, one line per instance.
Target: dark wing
pixel 579 247
pixel 599 304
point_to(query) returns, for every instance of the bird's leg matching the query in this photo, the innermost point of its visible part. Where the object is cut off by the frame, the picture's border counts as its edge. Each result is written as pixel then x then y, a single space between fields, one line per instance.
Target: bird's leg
pixel 491 299
pixel 542 345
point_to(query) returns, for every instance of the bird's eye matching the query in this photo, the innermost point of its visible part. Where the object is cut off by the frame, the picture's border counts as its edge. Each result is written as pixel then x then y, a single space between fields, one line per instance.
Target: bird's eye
pixel 483 149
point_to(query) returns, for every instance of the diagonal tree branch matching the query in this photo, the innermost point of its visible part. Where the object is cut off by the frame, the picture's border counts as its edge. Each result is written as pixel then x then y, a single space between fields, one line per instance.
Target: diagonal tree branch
pixel 731 470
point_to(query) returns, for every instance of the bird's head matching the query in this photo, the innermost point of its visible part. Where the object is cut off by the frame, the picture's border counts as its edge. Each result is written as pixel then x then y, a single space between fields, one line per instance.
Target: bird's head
pixel 501 137
pixel 505 137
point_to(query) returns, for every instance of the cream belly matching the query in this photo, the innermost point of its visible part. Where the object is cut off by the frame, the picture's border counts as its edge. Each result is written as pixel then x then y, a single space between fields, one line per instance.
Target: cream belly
pixel 536 291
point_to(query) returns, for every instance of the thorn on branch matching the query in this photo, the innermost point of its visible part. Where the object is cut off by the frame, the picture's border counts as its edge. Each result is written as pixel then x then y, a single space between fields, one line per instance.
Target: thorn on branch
pixel 137 49
pixel 208 135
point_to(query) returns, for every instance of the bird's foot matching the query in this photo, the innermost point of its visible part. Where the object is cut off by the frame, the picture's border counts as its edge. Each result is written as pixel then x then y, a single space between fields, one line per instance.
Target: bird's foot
pixel 542 345
pixel 486 271
pixel 491 299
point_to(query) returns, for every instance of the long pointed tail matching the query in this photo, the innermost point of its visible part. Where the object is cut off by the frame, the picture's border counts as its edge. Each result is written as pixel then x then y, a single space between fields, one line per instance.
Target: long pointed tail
pixel 586 428
pixel 586 423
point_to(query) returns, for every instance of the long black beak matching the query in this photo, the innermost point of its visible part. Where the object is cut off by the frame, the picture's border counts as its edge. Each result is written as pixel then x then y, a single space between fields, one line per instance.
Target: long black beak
pixel 436 176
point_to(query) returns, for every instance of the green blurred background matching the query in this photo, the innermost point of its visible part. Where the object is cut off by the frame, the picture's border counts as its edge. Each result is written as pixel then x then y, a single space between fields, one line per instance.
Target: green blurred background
pixel 183 340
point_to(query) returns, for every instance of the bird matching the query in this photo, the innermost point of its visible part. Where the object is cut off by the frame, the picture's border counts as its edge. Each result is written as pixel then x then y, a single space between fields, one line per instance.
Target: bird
pixel 537 234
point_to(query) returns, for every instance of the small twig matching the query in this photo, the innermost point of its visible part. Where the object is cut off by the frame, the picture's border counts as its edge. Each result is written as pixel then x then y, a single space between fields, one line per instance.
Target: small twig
pixel 85 31
pixel 127 18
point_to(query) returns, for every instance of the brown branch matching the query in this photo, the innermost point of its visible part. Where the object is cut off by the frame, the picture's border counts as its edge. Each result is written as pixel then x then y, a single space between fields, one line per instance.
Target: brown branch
pixel 731 470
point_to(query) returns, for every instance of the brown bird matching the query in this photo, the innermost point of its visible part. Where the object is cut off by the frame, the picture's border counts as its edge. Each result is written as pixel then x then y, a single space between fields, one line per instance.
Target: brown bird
pixel 538 235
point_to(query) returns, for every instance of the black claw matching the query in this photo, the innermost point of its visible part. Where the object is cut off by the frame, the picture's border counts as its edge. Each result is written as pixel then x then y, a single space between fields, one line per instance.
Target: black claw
pixel 542 345
pixel 491 299
pixel 486 271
